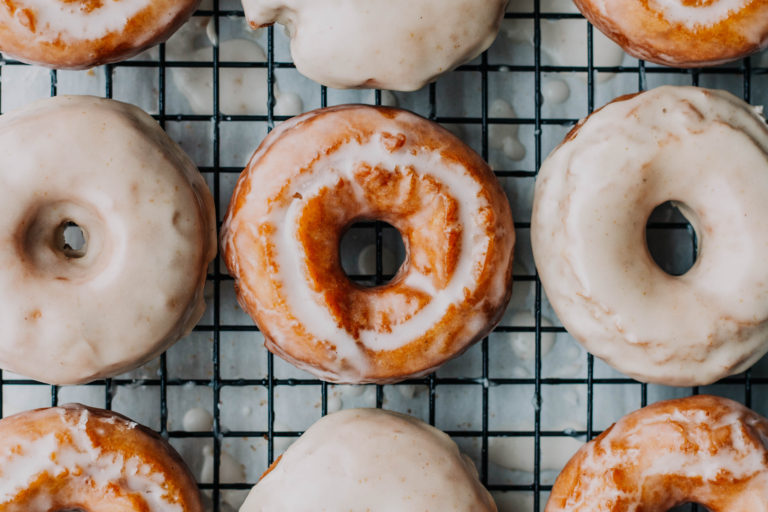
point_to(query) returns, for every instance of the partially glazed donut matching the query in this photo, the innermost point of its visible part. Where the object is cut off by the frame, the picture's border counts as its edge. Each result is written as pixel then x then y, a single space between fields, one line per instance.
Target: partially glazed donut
pixel 701 449
pixel 682 33
pixel 373 460
pixel 77 34
pixel 69 314
pixel 708 152
pixel 389 44
pixel 80 458
pixel 320 172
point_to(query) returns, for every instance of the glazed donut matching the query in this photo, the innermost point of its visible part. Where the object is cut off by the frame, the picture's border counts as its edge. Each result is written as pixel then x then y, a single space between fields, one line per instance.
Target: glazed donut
pixel 373 460
pixel 318 173
pixel 388 44
pixel 71 315
pixel 701 449
pixel 682 33
pixel 705 150
pixel 78 34
pixel 75 457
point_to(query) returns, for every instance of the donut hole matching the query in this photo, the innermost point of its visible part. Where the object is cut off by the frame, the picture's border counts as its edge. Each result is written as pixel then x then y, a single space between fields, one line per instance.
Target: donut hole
pixel 371 253
pixel 671 239
pixel 689 507
pixel 70 240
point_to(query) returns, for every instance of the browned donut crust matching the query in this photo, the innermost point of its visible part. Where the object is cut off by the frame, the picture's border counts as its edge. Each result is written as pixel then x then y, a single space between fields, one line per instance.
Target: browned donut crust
pixel 75 457
pixel 700 449
pixel 643 30
pixel 24 37
pixel 398 175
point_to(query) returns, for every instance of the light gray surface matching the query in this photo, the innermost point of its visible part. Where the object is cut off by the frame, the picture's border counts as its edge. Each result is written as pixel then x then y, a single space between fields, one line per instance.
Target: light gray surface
pixel 458 407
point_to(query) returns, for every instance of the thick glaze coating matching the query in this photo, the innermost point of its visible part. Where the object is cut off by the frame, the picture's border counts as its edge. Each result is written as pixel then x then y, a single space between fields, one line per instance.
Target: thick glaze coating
pixel 371 460
pixel 75 457
pixel 682 33
pixel 77 34
pixel 700 449
pixel 318 173
pixel 388 44
pixel 708 152
pixel 147 215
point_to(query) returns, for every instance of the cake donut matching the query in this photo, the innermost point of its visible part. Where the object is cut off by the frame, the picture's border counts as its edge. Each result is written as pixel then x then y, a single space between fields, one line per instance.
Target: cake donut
pixel 389 44
pixel 682 33
pixel 372 460
pixel 701 449
pixel 318 173
pixel 705 150
pixel 78 34
pixel 73 314
pixel 75 457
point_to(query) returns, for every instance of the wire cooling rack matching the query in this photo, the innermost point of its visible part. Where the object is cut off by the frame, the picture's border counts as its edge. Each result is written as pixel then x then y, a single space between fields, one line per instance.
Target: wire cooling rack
pixel 530 491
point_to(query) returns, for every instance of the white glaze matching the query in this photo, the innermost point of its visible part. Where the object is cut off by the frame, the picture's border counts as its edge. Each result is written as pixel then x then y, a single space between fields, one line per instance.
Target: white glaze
pixel 408 391
pixel 149 224
pixel 303 307
pixel 375 461
pixel 288 103
pixel 389 44
pixel 505 136
pixel 523 344
pixel 656 446
pixel 517 453
pixel 231 471
pixel 56 18
pixel 705 149
pixel 241 90
pixel 342 164
pixel 555 91
pixel 197 419
pixel 564 42
pixel 78 460
pixel 694 15
pixel 689 15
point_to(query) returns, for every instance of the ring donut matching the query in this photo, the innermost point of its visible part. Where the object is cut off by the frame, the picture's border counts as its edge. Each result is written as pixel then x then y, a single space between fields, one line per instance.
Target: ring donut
pixel 75 457
pixel 78 34
pixel 75 314
pixel 682 33
pixel 372 460
pixel 705 150
pixel 317 174
pixel 701 449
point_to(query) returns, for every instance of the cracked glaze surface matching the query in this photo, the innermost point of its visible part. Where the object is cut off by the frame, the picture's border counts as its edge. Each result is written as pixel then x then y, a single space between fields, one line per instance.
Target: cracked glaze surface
pixel 77 457
pixel 317 174
pixel 707 151
pixel 701 449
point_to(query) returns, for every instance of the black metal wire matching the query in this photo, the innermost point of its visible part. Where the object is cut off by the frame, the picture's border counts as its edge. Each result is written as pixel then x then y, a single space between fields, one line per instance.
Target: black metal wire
pixel 432 382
